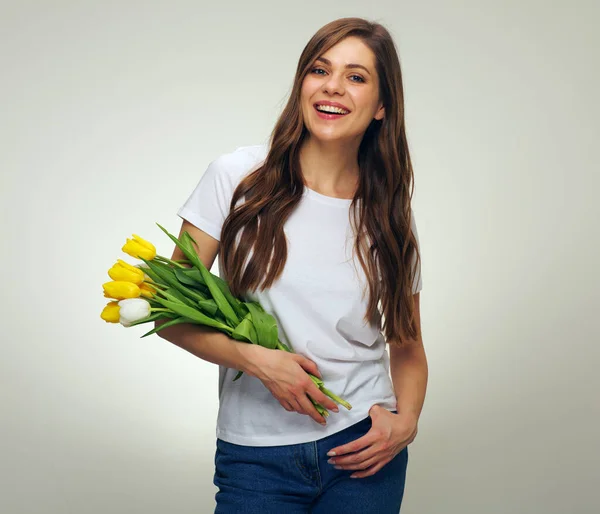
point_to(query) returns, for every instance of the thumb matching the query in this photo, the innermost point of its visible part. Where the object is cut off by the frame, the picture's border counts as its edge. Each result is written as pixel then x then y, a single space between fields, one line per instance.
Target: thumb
pixel 375 411
pixel 308 365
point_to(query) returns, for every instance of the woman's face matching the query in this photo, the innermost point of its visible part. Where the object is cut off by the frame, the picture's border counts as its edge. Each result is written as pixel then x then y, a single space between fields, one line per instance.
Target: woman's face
pixel 344 75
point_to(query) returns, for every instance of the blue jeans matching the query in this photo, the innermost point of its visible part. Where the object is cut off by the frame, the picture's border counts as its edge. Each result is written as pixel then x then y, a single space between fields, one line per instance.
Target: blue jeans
pixel 296 478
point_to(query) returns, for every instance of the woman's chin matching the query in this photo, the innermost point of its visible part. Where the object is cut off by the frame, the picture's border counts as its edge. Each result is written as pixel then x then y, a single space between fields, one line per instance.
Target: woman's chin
pixel 329 136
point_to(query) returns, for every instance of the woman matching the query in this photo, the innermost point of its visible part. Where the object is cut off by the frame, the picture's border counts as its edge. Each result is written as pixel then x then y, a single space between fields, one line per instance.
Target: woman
pixel 317 226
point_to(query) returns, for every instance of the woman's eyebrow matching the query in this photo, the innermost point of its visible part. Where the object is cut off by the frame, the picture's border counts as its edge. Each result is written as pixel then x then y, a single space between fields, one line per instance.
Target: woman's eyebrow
pixel 328 62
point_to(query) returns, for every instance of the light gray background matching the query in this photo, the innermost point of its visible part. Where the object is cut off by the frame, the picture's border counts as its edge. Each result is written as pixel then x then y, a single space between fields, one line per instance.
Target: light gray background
pixel 111 111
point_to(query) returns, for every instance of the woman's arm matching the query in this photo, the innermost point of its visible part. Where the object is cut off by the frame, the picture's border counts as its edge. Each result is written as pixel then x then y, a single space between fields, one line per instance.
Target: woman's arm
pixel 283 373
pixel 205 342
pixel 211 345
pixel 390 433
pixel 409 372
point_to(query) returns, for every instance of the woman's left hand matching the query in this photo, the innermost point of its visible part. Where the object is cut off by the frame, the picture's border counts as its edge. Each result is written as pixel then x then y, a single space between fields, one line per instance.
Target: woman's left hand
pixel 389 434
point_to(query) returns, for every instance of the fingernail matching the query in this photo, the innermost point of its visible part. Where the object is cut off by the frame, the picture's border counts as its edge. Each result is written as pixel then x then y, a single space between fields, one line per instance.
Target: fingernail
pixel 331 454
pixel 323 423
pixel 330 461
pixel 335 409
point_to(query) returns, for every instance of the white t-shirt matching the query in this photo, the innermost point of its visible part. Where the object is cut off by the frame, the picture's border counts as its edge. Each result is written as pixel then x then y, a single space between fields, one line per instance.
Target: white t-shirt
pixel 317 303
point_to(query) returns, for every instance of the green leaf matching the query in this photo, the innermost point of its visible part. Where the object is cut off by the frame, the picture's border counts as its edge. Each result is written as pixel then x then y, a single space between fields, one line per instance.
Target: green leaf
pixel 168 294
pixel 185 245
pixel 190 277
pixel 265 324
pixel 175 293
pixel 152 317
pixel 152 275
pixel 237 304
pixel 152 301
pixel 175 296
pixel 167 276
pixel 208 306
pixel 245 331
pixel 215 290
pixel 175 321
pixel 193 277
pixel 194 315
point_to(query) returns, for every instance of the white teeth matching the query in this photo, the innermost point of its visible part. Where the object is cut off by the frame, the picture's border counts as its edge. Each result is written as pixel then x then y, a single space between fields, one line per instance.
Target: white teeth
pixel 330 108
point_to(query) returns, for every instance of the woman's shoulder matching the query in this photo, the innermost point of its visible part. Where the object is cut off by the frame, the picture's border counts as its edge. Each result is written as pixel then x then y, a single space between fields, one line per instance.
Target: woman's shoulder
pixel 240 161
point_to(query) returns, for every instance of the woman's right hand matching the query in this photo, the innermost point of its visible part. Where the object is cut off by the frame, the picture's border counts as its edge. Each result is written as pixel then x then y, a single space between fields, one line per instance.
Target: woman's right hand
pixel 285 375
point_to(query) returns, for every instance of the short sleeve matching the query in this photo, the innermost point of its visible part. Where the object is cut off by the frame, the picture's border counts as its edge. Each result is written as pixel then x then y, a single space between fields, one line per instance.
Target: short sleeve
pixel 208 205
pixel 418 280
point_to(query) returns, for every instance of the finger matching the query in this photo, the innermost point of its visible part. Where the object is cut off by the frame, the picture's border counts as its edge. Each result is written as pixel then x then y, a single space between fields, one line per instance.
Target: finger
pixel 354 446
pixel 286 405
pixel 296 406
pixel 301 408
pixel 309 409
pixel 308 365
pixel 369 471
pixel 358 460
pixel 317 395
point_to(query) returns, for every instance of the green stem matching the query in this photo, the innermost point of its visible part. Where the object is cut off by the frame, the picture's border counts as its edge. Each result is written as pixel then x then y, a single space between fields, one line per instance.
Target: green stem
pixel 154 284
pixel 318 382
pixel 160 258
pixel 319 408
pixel 226 328
pixel 282 346
pixel 336 398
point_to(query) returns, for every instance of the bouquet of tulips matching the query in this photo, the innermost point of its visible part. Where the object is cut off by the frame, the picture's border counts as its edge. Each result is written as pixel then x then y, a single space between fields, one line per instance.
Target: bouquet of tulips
pixel 186 291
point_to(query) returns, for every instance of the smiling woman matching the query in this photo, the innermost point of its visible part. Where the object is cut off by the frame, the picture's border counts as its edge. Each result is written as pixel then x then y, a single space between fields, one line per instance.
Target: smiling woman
pixel 336 72
pixel 318 227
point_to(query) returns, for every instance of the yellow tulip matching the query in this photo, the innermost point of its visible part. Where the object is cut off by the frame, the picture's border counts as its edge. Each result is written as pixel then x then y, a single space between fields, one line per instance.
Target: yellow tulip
pixel 147 290
pixel 110 313
pixel 126 272
pixel 119 290
pixel 138 247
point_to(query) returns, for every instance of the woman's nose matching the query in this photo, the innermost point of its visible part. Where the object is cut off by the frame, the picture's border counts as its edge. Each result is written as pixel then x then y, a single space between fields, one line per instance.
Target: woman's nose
pixel 333 85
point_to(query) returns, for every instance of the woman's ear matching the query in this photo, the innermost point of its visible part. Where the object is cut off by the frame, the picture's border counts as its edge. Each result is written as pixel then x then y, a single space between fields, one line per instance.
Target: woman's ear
pixel 379 115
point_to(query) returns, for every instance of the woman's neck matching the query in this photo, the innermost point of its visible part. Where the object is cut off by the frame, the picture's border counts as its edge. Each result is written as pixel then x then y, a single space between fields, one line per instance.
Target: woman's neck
pixel 330 168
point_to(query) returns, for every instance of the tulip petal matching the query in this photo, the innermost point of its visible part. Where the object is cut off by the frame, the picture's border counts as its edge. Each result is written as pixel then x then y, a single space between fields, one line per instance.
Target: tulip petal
pixel 133 309
pixel 120 289
pixel 110 313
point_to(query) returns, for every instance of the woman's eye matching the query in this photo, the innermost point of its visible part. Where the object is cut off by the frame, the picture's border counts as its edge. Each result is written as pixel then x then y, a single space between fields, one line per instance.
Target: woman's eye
pixel 353 77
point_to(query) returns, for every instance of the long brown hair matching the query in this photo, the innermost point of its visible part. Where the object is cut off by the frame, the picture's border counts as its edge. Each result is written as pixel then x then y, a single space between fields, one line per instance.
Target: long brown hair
pixel 385 245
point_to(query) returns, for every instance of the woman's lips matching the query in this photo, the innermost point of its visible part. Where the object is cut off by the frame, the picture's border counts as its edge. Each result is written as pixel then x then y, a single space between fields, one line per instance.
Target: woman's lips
pixel 329 116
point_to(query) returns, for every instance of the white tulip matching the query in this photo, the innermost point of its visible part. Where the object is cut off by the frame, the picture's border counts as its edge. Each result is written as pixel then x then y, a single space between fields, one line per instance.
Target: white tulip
pixel 132 310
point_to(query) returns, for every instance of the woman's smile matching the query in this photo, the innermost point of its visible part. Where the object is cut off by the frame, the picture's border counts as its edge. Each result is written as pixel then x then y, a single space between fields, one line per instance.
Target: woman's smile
pixel 342 83
pixel 327 112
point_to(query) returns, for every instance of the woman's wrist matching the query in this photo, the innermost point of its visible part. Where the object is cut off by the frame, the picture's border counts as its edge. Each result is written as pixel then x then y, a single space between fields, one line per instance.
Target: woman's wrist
pixel 409 417
pixel 247 358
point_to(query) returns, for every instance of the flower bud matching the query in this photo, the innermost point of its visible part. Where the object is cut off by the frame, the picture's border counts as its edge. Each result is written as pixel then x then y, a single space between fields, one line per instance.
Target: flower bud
pixel 120 290
pixel 138 247
pixel 126 272
pixel 110 313
pixel 132 310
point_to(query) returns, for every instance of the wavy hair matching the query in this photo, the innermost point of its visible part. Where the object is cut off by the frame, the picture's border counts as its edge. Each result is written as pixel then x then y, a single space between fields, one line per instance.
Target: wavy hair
pixel 384 244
